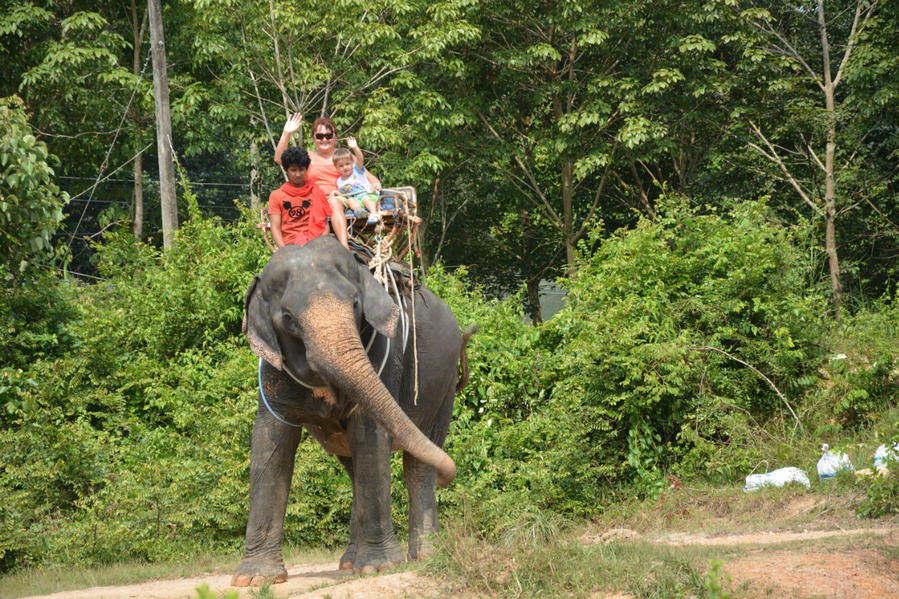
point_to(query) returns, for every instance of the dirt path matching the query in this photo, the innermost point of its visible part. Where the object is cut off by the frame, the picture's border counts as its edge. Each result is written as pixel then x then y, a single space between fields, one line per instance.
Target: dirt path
pixel 839 574
pixel 310 581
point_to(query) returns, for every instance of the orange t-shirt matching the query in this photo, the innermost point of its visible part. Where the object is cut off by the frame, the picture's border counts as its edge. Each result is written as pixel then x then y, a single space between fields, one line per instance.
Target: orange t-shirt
pixel 322 173
pixel 304 211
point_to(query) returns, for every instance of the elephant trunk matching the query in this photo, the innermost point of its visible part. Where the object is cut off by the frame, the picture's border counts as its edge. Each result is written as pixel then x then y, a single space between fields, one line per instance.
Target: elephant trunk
pixel 336 352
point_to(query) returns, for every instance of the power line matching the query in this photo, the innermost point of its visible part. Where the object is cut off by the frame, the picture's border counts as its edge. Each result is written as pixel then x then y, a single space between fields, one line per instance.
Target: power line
pixel 107 202
pixel 112 145
pixel 131 181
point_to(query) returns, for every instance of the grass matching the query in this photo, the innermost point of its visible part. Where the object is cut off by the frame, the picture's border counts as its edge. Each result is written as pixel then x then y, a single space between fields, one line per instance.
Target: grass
pixel 702 508
pixel 541 555
pixel 44 581
pixel 563 567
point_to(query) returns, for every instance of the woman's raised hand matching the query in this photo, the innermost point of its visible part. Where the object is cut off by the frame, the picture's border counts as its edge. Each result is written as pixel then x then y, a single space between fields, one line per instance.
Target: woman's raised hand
pixel 293 123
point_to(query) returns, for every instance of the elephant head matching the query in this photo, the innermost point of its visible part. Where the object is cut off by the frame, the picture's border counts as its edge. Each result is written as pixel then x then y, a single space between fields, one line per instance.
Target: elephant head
pixel 303 316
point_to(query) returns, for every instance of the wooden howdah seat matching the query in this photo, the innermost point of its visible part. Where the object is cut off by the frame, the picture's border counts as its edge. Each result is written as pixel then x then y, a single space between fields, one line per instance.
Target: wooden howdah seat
pixel 396 233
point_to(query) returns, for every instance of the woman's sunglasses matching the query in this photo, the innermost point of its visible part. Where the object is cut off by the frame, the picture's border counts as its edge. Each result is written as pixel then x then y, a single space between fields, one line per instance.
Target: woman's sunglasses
pixel 321 136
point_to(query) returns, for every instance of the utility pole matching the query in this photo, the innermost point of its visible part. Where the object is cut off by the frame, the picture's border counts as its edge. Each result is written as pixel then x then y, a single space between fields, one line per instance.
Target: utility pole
pixel 168 199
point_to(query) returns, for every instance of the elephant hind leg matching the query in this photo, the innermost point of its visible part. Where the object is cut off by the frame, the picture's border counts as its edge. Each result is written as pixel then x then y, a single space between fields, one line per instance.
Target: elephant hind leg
pixel 420 483
pixel 346 561
pixel 423 524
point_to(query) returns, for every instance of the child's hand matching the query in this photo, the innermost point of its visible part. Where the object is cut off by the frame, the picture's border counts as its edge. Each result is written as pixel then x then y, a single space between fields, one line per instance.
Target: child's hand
pixel 293 123
pixel 351 141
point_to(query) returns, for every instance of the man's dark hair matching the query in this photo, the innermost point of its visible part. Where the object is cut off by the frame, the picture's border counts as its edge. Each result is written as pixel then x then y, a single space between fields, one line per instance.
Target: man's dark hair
pixel 295 156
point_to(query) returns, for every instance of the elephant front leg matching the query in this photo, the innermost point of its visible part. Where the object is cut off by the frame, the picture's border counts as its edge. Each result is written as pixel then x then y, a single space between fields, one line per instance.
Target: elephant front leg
pixel 372 537
pixel 273 451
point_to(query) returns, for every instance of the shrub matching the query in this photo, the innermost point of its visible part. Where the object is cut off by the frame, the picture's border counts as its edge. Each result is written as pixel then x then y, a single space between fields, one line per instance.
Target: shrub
pixel 645 371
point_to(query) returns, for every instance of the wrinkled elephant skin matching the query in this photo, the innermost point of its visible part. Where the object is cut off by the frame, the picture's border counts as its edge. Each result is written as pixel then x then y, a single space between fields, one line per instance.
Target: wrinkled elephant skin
pixel 310 316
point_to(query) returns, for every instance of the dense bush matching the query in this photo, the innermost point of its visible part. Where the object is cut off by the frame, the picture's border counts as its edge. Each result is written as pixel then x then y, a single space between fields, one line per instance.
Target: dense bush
pixel 126 431
pixel 126 418
pixel 646 370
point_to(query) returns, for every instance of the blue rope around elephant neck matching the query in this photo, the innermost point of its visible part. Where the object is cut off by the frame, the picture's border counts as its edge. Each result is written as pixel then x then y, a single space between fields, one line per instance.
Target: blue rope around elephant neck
pixel 265 401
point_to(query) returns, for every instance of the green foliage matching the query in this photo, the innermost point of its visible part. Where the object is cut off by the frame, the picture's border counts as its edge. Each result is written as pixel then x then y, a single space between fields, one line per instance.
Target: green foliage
pixel 882 498
pixel 37 319
pixel 646 312
pixel 204 592
pixel 623 385
pixel 131 435
pixel 30 203
pixel 882 493
pixel 714 581
pixel 863 379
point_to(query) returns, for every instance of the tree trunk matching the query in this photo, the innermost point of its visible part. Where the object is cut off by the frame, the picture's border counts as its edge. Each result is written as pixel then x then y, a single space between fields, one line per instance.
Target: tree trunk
pixel 568 233
pixel 168 198
pixel 534 311
pixel 254 174
pixel 137 225
pixel 830 211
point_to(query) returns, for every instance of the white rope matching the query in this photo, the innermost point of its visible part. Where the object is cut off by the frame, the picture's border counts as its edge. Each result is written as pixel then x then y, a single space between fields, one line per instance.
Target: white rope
pixel 409 227
pixel 403 320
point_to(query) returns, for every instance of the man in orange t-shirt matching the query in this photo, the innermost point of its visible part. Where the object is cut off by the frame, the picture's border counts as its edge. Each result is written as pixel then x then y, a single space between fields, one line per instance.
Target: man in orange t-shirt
pixel 298 210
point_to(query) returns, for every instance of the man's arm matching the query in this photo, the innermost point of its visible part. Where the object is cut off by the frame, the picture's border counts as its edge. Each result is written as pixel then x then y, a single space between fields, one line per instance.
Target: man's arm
pixel 292 125
pixel 277 237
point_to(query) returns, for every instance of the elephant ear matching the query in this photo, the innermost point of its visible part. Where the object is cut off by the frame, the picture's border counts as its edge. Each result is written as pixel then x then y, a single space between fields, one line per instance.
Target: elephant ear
pixel 257 325
pixel 378 308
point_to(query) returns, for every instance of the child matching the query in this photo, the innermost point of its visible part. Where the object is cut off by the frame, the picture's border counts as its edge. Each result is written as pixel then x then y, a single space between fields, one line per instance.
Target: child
pixel 298 210
pixel 357 184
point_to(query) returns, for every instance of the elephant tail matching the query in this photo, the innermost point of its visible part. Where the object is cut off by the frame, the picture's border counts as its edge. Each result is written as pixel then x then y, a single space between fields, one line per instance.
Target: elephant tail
pixel 463 356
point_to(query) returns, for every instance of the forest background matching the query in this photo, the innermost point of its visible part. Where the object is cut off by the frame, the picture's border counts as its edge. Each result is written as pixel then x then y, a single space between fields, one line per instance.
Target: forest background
pixel 712 182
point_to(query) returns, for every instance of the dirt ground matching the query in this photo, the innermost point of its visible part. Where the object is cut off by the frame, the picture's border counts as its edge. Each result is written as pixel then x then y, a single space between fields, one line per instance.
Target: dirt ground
pixel 833 561
pixel 782 572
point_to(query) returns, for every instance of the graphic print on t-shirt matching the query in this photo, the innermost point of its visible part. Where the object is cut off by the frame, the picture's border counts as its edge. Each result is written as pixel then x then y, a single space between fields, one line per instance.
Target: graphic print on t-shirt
pixel 298 213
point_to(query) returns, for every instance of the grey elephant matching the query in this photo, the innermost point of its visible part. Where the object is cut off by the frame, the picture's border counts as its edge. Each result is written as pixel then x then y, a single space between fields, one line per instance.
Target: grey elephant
pixel 336 358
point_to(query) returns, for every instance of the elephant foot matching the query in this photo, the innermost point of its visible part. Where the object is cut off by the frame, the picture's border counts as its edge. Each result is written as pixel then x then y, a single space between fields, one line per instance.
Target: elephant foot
pixel 252 573
pixel 371 559
pixel 245 580
pixel 346 561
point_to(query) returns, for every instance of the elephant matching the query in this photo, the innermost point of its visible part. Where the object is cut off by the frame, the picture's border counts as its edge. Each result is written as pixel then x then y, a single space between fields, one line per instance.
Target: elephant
pixel 321 325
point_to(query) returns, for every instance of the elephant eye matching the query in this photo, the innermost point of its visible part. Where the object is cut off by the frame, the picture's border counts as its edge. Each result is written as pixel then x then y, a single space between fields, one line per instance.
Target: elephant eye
pixel 288 322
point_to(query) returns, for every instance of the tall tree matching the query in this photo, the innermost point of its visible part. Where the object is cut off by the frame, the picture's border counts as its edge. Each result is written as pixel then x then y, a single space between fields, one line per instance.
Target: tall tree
pixel 588 110
pixel 818 45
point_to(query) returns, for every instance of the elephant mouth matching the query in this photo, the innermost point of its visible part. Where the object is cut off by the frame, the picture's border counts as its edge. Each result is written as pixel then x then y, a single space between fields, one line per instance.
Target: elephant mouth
pixel 296 364
pixel 310 380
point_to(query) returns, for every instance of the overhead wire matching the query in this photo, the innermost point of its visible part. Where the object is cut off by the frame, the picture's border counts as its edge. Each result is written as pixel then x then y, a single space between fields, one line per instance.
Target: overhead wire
pixel 105 162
